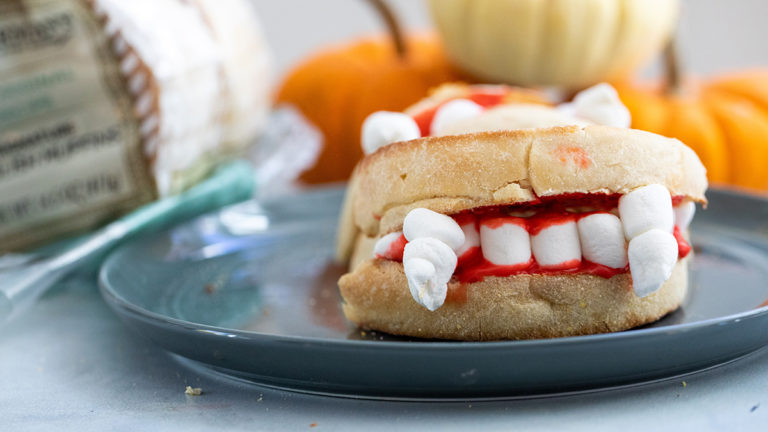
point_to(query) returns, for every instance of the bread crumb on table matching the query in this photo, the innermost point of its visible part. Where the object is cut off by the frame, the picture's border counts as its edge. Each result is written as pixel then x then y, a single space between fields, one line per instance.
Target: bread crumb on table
pixel 197 391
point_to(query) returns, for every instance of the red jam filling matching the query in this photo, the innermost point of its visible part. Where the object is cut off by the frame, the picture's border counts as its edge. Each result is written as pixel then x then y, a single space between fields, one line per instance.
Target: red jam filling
pixel 484 98
pixel 683 247
pixel 540 222
pixel 395 250
pixel 549 211
pixel 478 270
pixel 552 204
pixel 424 120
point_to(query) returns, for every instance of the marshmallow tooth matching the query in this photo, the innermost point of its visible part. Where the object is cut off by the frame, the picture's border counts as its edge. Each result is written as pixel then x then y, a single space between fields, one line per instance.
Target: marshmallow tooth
pixel 684 215
pixel 557 246
pixel 421 222
pixel 428 264
pixel 382 248
pixel 505 241
pixel 599 104
pixel 602 240
pixel 646 208
pixel 471 238
pixel 652 257
pixel 384 127
pixel 452 112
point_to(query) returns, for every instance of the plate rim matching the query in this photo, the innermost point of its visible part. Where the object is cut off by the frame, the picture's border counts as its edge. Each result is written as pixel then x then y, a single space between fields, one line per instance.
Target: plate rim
pixel 165 330
pixel 113 298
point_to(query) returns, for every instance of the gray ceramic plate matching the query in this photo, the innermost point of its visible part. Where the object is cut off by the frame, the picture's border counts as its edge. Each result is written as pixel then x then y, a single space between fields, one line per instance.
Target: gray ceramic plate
pixel 264 307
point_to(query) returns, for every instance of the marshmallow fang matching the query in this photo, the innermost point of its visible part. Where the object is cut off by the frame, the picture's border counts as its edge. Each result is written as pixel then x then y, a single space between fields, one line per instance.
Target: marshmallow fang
pixel 421 222
pixel 646 208
pixel 652 257
pixel 684 215
pixel 428 264
pixel 557 246
pixel 453 111
pixel 505 241
pixel 433 250
pixel 384 127
pixel 422 282
pixel 602 240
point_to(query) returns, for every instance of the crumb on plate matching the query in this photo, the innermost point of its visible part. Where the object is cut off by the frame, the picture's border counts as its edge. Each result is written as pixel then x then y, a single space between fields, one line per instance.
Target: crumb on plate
pixel 197 391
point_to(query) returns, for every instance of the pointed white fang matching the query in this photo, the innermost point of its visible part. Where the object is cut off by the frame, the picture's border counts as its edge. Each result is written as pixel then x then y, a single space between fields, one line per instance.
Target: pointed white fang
pixel 428 287
pixel 652 257
pixel 646 208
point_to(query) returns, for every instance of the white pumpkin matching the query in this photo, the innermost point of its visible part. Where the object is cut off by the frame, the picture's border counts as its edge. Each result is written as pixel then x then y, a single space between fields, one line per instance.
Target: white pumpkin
pixel 569 43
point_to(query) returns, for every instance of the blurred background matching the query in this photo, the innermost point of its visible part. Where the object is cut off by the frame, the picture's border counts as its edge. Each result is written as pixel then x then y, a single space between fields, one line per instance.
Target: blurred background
pixel 714 35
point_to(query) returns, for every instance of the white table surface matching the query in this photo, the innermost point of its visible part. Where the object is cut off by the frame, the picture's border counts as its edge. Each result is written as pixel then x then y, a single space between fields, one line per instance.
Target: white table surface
pixel 70 364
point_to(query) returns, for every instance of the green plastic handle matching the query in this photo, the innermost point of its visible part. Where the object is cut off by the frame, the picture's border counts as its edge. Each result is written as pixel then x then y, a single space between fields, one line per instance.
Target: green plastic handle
pixel 231 183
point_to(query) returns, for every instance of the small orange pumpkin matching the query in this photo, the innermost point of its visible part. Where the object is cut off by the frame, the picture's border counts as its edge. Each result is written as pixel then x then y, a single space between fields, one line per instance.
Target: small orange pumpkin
pixel 724 120
pixel 338 88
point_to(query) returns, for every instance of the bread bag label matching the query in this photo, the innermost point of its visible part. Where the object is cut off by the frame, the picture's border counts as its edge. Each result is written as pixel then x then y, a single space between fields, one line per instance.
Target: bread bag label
pixel 70 151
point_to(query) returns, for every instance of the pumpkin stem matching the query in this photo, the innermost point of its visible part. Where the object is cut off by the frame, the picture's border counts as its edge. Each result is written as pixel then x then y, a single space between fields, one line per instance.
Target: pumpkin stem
pixel 386 14
pixel 672 72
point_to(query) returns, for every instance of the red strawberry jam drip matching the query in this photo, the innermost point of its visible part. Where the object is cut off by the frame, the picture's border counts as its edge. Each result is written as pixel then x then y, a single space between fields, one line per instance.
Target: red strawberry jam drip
pixel 477 271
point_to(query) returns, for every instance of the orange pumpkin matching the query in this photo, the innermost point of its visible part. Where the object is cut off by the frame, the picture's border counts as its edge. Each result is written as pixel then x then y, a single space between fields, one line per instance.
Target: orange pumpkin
pixel 338 88
pixel 724 120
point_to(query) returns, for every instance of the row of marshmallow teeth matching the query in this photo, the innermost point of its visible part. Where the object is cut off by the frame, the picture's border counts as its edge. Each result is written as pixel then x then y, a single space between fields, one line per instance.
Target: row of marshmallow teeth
pixel 646 219
pixel 599 104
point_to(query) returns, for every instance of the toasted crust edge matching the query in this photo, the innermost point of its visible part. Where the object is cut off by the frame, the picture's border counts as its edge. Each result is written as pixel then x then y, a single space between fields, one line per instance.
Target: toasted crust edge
pixel 376 296
pixel 457 172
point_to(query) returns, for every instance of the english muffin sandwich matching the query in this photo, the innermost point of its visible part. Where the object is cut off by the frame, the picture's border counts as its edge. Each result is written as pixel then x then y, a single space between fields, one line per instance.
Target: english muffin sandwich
pixel 515 234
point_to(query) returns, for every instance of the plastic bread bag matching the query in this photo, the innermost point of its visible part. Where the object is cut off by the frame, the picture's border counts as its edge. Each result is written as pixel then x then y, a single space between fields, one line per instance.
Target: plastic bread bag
pixel 107 105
